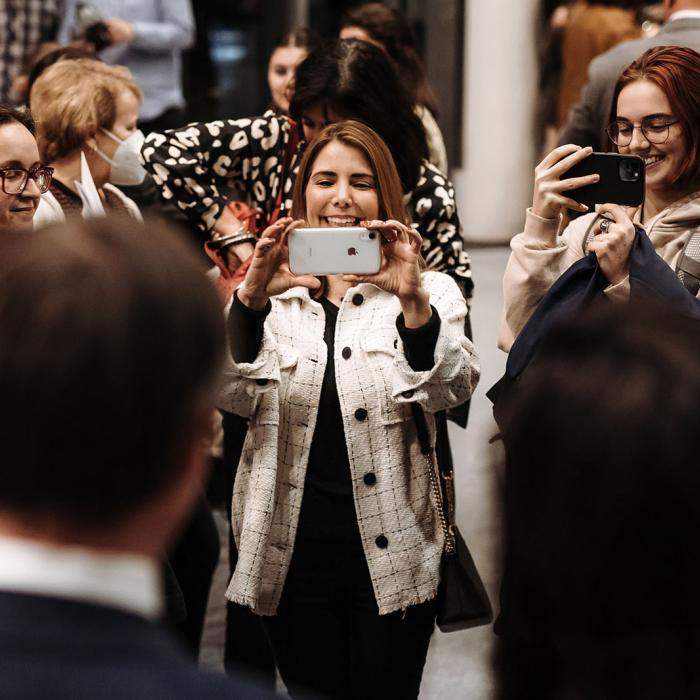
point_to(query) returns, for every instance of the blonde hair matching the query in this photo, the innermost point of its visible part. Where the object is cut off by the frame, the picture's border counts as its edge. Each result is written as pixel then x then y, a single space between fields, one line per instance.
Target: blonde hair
pixel 72 99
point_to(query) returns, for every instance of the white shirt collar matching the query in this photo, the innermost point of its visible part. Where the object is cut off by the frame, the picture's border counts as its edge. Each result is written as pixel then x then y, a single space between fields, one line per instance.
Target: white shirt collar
pixel 126 581
pixel 684 14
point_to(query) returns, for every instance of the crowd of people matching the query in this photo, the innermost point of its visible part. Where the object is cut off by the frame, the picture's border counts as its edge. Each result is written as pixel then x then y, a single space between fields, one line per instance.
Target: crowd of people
pixel 130 363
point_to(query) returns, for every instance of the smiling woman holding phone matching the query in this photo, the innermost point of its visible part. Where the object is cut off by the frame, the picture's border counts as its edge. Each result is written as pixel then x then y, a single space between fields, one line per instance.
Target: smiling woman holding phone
pixel 195 166
pixel 656 116
pixel 339 541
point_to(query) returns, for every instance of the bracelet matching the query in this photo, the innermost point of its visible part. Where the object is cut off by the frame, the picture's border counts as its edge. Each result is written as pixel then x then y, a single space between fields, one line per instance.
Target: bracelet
pixel 240 236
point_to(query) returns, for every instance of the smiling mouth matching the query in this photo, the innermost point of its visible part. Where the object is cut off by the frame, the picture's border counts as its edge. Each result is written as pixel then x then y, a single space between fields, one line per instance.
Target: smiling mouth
pixel 340 221
pixel 652 160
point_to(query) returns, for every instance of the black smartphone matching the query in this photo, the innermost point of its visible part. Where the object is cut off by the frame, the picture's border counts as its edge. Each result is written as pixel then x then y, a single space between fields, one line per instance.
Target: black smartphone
pixel 621 180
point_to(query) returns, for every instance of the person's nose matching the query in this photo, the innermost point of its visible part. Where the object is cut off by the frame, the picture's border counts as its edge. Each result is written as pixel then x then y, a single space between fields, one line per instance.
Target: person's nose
pixel 342 196
pixel 639 140
pixel 31 189
pixel 289 85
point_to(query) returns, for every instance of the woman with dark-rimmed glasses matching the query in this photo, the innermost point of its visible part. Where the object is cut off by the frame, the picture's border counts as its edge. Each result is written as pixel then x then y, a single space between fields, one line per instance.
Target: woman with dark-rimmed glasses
pixel 23 178
pixel 656 116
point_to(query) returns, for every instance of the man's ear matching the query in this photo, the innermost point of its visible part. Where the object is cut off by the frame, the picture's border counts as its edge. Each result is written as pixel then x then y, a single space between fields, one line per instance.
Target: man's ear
pixel 157 524
pixel 196 452
pixel 190 471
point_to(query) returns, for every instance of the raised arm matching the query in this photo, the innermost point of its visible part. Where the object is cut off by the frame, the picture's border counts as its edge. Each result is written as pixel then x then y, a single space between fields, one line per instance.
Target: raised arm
pixel 454 373
pixel 193 166
pixel 539 254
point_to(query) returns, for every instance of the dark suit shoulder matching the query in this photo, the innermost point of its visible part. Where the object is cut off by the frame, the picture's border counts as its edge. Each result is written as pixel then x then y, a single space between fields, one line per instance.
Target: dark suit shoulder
pixel 64 649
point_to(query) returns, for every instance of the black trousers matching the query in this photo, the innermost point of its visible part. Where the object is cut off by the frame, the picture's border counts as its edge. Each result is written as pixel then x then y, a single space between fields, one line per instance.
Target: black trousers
pixel 328 636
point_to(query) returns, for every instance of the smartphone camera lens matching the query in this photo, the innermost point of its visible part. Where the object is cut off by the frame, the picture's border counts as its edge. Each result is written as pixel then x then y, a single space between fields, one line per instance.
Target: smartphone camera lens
pixel 630 170
pixel 372 235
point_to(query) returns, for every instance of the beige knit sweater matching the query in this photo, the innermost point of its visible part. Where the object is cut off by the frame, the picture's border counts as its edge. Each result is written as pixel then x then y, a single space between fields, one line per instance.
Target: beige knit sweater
pixel 539 255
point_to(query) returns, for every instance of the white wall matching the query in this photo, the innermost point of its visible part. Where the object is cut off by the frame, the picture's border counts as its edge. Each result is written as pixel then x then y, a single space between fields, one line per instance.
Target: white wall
pixel 495 183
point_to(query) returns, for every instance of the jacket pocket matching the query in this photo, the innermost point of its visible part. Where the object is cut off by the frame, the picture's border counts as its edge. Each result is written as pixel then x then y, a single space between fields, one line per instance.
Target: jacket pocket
pixel 380 347
pixel 268 411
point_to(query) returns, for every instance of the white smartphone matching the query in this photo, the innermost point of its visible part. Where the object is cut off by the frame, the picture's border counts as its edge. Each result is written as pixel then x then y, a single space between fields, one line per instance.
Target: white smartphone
pixel 334 251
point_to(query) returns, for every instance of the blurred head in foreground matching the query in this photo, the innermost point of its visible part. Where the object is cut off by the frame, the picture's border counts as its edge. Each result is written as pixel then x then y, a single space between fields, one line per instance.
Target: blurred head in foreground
pixel 602 518
pixel 111 345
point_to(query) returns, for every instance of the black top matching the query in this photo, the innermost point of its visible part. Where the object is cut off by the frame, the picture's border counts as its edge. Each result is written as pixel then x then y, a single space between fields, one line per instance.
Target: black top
pixel 72 205
pixel 329 468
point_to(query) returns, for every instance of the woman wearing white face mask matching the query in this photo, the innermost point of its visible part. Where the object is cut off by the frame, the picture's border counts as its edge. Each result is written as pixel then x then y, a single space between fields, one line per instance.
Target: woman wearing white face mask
pixel 89 135
pixel 87 113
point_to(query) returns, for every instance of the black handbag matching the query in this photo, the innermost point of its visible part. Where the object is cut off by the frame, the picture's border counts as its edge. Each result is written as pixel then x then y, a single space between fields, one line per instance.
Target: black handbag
pixel 462 598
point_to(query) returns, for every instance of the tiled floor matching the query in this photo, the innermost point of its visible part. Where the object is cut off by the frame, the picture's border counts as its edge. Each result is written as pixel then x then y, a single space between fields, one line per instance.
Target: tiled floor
pixel 458 663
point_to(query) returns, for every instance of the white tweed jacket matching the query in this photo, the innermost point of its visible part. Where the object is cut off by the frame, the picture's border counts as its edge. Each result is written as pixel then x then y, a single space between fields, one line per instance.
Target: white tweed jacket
pixel 279 391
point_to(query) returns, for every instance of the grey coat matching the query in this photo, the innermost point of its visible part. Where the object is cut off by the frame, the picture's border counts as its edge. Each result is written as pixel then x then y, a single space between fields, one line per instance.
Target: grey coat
pixel 588 119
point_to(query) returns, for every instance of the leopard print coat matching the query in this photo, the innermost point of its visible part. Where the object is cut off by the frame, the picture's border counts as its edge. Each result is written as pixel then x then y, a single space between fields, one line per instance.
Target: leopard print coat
pixel 195 166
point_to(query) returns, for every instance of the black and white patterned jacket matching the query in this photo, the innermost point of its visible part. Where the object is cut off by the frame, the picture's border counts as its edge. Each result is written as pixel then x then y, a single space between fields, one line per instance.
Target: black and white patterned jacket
pixel 195 165
pixel 279 392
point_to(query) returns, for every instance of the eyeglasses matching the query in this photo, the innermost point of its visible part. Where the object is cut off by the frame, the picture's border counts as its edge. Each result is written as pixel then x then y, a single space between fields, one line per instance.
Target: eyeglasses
pixel 655 130
pixel 14 180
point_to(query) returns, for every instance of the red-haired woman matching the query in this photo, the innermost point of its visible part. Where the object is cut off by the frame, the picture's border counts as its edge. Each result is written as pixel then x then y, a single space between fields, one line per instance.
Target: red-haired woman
pixel 655 115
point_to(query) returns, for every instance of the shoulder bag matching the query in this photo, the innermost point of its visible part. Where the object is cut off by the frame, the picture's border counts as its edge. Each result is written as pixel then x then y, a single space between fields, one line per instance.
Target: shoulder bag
pixel 462 598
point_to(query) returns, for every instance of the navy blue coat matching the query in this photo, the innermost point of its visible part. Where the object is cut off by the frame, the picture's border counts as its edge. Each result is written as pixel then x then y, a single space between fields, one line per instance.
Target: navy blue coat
pixel 650 278
pixel 67 650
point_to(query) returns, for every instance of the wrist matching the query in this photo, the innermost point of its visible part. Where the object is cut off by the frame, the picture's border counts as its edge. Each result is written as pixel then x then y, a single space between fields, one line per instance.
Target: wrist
pixel 225 230
pixel 416 308
pixel 617 278
pixel 544 212
pixel 252 299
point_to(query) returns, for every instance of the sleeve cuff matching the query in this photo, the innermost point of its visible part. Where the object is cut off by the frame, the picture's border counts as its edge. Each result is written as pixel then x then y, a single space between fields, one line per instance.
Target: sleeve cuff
pixel 246 329
pixel 619 292
pixel 419 343
pixel 539 230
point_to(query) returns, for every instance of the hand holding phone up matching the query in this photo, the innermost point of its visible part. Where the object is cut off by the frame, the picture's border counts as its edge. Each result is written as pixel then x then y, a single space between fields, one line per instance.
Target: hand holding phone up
pixel 578 179
pixel 551 193
pixel 400 272
pixel 269 273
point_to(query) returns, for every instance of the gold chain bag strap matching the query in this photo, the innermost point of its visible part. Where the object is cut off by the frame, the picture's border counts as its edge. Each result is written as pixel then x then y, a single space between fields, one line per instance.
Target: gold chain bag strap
pixel 462 598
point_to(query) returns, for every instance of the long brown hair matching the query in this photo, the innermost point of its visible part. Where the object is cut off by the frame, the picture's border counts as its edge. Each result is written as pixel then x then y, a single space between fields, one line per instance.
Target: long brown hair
pixel 387 182
pixel 675 70
pixel 357 80
pixel 359 136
